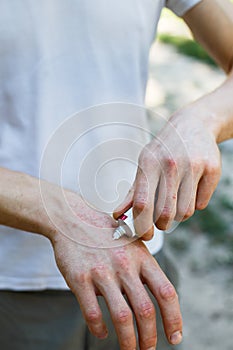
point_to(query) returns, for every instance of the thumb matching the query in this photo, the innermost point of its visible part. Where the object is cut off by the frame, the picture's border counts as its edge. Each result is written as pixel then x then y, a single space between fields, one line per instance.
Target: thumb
pixel 125 205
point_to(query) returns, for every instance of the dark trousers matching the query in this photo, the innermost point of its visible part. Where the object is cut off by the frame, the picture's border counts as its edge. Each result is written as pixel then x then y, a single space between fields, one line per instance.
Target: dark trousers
pixel 51 320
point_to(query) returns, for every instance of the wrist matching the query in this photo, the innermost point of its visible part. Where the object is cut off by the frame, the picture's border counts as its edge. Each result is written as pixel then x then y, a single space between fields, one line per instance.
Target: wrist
pixel 215 111
pixel 199 114
pixel 55 209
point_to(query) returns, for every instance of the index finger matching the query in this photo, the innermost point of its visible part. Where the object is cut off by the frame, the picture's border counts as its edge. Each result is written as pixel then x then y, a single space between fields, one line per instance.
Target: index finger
pixel 146 183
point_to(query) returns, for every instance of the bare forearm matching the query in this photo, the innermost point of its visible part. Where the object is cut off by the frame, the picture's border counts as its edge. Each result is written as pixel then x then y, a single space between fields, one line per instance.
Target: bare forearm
pixel 215 34
pixel 215 110
pixel 21 204
pixel 220 105
pixel 38 206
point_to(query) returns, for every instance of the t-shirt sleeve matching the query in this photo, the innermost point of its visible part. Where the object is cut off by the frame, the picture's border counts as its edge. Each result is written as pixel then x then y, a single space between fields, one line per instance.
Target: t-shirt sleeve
pixel 179 7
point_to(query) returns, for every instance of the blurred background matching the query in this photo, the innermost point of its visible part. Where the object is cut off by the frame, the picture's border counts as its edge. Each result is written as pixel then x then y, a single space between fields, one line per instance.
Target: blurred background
pixel 202 247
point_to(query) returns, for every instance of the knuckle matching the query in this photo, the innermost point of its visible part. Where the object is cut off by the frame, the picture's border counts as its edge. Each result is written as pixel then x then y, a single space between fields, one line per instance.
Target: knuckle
pixel 168 292
pixel 121 258
pixel 123 316
pixel 99 271
pixel 147 310
pixel 140 204
pixel 81 278
pixel 171 163
pixel 93 316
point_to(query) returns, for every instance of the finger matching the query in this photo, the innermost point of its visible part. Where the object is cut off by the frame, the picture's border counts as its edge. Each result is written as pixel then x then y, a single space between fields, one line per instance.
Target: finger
pixel 144 312
pixel 186 198
pixel 125 205
pixel 120 313
pixel 165 209
pixel 149 235
pixel 207 186
pixel 90 308
pixel 143 202
pixel 167 299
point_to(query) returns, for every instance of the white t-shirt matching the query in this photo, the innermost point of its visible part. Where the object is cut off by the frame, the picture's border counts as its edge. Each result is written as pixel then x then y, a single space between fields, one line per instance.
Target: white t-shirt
pixel 59 58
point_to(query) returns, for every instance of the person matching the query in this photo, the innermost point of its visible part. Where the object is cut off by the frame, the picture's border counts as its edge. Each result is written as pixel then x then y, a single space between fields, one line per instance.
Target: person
pixel 60 58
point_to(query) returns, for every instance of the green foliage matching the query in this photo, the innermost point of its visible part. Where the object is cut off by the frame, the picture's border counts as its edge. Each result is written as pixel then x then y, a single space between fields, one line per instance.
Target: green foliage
pixel 226 203
pixel 215 222
pixel 187 47
pixel 212 223
pixel 179 243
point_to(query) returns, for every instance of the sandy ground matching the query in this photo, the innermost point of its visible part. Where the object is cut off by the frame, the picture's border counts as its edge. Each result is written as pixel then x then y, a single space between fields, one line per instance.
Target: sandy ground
pixel 206 281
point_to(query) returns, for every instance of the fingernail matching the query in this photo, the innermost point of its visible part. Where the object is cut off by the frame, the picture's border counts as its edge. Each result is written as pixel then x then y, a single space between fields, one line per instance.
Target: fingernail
pixel 151 349
pixel 176 338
